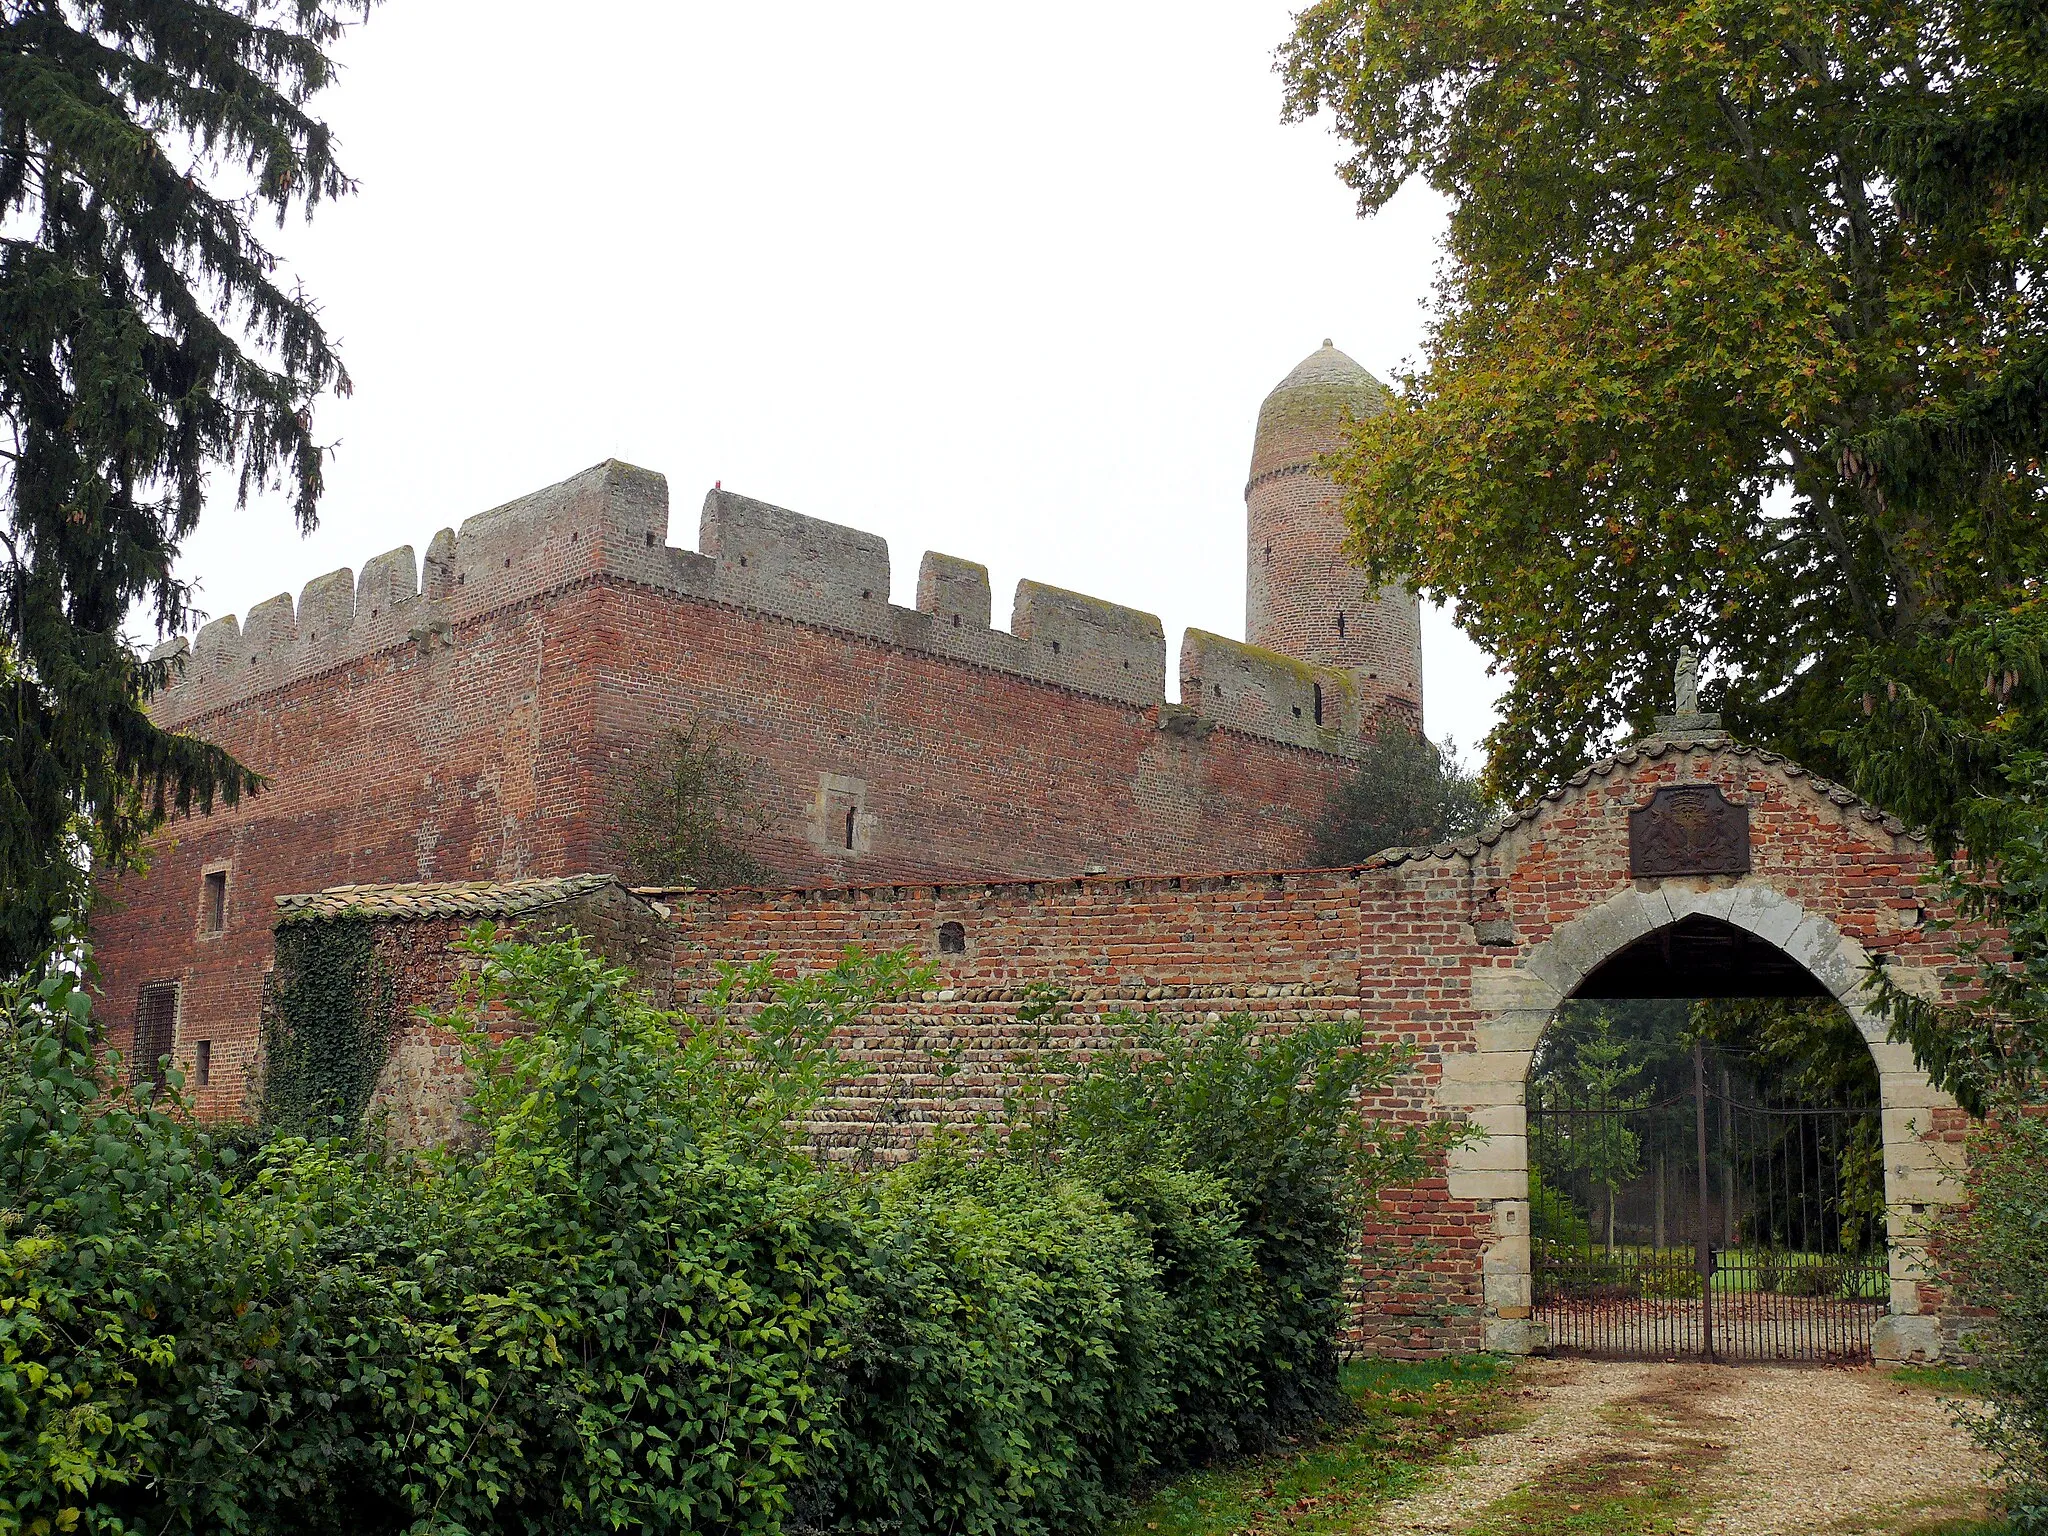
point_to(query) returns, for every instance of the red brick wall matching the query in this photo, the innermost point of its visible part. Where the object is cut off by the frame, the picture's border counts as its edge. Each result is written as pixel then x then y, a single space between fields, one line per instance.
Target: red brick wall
pixel 1393 945
pixel 495 750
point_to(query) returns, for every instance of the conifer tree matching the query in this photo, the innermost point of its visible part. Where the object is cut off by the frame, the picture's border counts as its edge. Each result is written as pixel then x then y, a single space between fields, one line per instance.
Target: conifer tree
pixel 148 343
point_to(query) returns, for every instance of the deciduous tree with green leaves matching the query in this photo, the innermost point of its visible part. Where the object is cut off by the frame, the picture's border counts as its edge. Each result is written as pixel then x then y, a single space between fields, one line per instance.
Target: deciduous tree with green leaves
pixel 1406 791
pixel 1720 355
pixel 148 340
pixel 1742 343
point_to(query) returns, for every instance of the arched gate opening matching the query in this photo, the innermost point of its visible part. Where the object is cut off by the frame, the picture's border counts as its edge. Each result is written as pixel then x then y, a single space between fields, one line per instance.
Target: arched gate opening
pixel 1734 944
pixel 1705 1158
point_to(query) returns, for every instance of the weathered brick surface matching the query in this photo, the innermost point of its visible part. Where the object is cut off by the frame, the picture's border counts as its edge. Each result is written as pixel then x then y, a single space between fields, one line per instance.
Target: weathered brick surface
pixel 475 740
pixel 1302 597
pixel 1398 945
pixel 474 713
pixel 1460 953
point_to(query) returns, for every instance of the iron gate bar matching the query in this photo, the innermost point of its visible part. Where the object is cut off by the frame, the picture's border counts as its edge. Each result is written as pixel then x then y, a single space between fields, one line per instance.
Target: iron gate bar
pixel 1704 1247
pixel 1776 1271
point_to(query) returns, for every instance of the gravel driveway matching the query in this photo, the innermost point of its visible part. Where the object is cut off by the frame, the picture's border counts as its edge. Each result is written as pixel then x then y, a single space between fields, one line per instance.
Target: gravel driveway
pixel 1735 1451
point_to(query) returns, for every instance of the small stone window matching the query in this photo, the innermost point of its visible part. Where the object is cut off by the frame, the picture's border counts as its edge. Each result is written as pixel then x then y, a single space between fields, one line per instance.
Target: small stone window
pixel 952 938
pixel 213 901
pixel 840 825
pixel 202 1062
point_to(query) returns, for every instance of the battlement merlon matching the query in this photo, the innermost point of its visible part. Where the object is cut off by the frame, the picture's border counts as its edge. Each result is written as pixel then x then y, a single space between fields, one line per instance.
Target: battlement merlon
pixel 612 521
pixel 1267 693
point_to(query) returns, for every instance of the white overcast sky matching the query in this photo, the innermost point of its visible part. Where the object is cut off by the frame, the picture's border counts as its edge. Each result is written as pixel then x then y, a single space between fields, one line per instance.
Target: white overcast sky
pixel 1008 284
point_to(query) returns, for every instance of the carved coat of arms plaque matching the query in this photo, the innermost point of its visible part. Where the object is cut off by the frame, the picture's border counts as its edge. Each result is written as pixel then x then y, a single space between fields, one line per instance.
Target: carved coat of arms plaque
pixel 1688 829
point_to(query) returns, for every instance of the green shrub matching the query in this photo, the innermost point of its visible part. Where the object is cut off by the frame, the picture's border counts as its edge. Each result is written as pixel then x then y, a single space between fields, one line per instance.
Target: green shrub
pixel 635 1299
pixel 1553 1217
pixel 1767 1268
pixel 1822 1275
pixel 1271 1117
pixel 1669 1275
pixel 1004 1370
pixel 614 1310
pixel 1995 1254
pixel 1568 1272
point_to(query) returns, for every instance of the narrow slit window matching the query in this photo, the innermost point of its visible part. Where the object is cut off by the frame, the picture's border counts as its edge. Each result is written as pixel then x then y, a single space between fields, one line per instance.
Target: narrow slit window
pixel 202 1062
pixel 849 826
pixel 213 902
pixel 1318 701
pixel 1340 626
pixel 156 1028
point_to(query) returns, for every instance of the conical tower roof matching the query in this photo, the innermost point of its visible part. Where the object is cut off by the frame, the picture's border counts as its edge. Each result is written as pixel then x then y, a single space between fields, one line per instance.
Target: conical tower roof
pixel 1304 414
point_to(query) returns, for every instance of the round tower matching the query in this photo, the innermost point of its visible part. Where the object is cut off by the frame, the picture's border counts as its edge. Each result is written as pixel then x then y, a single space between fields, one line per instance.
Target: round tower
pixel 1302 597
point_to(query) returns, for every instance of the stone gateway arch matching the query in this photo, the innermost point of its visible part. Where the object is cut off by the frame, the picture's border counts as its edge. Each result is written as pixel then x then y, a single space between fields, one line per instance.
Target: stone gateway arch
pixel 1685 865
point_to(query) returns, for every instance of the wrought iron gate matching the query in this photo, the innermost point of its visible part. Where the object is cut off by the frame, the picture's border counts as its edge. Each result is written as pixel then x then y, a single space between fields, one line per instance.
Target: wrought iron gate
pixel 1725 1223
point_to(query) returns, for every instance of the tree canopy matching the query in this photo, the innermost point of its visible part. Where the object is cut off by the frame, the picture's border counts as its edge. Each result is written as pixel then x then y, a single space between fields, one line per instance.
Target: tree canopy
pixel 1740 343
pixel 147 340
pixel 1406 791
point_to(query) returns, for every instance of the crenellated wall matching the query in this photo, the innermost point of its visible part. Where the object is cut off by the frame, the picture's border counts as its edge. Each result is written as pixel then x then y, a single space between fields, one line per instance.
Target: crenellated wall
pixel 478 714
pixel 611 523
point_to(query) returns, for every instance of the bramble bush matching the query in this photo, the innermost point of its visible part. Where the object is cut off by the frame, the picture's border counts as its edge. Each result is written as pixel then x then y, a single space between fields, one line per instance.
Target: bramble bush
pixel 634 1298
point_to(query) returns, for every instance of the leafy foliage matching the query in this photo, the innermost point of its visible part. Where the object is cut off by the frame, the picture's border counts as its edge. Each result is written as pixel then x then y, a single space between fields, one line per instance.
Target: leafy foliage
pixel 1605 1073
pixel 1004 1370
pixel 1407 791
pixel 1719 357
pixel 138 142
pixel 324 1027
pixel 635 1299
pixel 1272 1118
pixel 688 812
pixel 1995 1252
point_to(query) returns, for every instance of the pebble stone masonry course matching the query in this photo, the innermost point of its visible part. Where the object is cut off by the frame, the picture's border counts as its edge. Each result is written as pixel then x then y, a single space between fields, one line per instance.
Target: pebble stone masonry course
pixel 1462 951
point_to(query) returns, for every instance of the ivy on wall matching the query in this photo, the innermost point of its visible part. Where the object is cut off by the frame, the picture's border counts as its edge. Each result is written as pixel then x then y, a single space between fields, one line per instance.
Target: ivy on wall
pixel 326 1026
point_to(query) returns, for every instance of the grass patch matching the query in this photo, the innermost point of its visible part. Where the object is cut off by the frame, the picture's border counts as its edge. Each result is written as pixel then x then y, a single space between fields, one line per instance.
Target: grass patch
pixel 1408 1414
pixel 1951 1379
pixel 1969 1526
pixel 1643 1481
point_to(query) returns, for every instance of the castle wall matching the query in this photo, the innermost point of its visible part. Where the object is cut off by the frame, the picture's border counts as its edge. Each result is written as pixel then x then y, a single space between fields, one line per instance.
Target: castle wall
pixel 474 715
pixel 1305 598
pixel 1462 953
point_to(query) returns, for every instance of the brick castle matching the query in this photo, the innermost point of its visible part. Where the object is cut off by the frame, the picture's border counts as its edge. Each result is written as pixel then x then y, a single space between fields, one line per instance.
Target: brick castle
pixel 1019 807
pixel 474 715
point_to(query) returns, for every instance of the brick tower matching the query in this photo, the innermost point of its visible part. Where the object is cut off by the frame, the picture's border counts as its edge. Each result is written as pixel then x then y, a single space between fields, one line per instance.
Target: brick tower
pixel 1302 598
